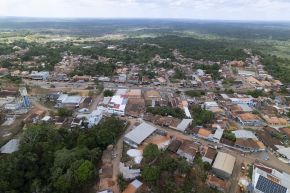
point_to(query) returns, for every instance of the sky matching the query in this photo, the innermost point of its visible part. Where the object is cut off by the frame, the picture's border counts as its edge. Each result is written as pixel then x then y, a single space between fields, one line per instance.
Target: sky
pixel 266 10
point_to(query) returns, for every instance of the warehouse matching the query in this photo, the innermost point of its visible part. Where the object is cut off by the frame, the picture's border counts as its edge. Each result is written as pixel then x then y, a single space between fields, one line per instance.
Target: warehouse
pixel 223 165
pixel 139 134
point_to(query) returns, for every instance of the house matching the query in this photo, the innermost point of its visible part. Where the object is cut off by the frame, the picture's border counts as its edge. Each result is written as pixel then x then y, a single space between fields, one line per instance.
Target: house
pixel 174 146
pixel 188 150
pixel 250 119
pixel 216 183
pixel 204 133
pixel 218 133
pixel 43 75
pixel 151 96
pixel 249 145
pixel 245 100
pixel 244 134
pixel 208 154
pixel 82 78
pixel 269 140
pixel 117 105
pixel 275 121
pixel 209 105
pixel 184 124
pixel 133 187
pixel 266 180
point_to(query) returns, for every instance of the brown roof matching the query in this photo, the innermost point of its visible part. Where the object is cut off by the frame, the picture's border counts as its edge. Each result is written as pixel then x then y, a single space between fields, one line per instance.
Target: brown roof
pixel 210 153
pixel 189 147
pixel 249 117
pixel 148 95
pixel 215 182
pixel 204 132
pixel 285 131
pixel 174 146
pixel 268 140
pixel 247 143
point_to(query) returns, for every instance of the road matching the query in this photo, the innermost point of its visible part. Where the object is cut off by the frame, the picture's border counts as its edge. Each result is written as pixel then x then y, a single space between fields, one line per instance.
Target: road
pixel 118 151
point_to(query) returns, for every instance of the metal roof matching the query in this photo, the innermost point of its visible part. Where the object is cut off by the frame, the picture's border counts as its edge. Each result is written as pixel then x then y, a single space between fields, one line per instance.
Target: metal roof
pixel 183 125
pixel 244 134
pixel 140 133
pixel 224 162
pixel 10 147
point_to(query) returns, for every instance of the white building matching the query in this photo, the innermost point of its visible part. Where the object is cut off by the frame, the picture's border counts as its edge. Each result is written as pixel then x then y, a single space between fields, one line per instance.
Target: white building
pixel 117 105
pixel 268 180
pixel 43 75
pixel 66 100
pixel 139 134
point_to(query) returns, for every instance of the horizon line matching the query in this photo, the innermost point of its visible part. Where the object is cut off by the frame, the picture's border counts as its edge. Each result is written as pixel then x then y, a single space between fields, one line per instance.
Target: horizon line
pixel 145 18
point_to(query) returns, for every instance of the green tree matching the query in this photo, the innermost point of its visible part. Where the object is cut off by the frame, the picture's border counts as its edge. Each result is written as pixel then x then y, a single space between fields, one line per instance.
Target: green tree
pixel 151 152
pixel 108 93
pixel 150 174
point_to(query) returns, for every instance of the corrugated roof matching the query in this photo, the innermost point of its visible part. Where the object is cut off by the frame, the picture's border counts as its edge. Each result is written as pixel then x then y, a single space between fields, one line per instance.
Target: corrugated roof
pixel 184 124
pixel 224 162
pixel 140 133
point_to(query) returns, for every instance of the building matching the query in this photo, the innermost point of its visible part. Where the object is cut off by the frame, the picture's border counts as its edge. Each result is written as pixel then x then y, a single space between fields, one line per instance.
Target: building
pixel 133 187
pixel 210 105
pixel 117 105
pixel 250 119
pixel 223 165
pixel 151 96
pixel 244 134
pixel 216 183
pixel 208 154
pixel 184 124
pixel 217 135
pixel 43 75
pixel 139 134
pixel 249 145
pixel 65 100
pixel 275 121
pixel 10 147
pixel 248 101
pixel 188 150
pixel 268 180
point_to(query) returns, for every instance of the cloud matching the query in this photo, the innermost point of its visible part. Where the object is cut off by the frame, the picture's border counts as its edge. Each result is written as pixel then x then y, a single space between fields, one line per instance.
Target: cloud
pixel 195 9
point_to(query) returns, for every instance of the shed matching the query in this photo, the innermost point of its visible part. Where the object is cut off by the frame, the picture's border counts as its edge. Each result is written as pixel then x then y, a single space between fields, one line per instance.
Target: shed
pixel 223 165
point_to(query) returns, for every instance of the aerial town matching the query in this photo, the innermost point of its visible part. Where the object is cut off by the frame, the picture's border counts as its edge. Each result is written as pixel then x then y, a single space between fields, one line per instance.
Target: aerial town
pixel 229 121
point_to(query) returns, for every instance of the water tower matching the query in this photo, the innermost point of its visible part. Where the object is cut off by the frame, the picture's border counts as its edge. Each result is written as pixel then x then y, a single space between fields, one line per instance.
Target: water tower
pixel 25 100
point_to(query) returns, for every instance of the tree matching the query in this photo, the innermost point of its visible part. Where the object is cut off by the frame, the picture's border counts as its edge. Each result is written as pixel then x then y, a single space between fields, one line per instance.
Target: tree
pixel 84 173
pixel 150 174
pixel 108 93
pixel 63 112
pixel 151 152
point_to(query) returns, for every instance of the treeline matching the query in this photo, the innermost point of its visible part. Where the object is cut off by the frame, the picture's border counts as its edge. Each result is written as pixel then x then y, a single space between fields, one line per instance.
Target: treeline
pixel 277 67
pixel 62 161
pixel 167 111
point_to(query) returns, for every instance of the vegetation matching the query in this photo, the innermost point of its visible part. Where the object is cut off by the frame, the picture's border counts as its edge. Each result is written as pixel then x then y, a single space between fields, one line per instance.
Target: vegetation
pixel 229 135
pixel 201 116
pixel 194 93
pixel 166 174
pixel 64 112
pixel 256 93
pixel 51 160
pixel 167 111
pixel 150 153
pixel 108 93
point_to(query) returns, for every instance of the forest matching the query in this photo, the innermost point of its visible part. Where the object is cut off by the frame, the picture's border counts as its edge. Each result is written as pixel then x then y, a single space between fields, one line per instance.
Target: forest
pixel 57 160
